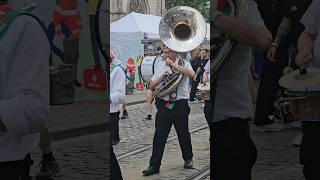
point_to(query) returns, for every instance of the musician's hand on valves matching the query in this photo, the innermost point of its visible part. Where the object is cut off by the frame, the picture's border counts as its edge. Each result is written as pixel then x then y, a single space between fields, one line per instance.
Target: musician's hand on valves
pixel 170 63
pixel 303 57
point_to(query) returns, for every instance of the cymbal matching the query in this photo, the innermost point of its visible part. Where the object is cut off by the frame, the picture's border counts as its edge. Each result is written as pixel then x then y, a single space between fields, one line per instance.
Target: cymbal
pixel 294 80
pixel 204 87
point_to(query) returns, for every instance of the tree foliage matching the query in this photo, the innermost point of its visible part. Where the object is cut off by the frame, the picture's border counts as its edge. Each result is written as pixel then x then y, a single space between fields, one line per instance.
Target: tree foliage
pixel 200 5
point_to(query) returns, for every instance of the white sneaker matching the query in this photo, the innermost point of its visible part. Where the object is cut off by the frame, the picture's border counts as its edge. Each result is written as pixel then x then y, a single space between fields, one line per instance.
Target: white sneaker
pixel 274 127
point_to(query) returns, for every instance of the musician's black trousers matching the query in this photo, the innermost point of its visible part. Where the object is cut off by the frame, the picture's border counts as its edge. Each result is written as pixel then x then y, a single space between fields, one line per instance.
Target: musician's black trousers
pixel 16 170
pixel 165 118
pixel 115 126
pixel 269 87
pixel 310 150
pixel 115 171
pixel 233 152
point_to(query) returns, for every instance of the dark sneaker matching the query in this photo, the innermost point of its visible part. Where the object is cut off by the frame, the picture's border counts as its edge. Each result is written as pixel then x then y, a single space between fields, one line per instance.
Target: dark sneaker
pixel 150 171
pixel 188 164
pixel 148 117
pixel 48 170
pixel 125 115
pixel 115 142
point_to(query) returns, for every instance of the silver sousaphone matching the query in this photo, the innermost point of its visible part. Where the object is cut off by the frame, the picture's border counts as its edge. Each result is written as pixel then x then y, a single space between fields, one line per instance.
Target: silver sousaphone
pixel 220 43
pixel 181 29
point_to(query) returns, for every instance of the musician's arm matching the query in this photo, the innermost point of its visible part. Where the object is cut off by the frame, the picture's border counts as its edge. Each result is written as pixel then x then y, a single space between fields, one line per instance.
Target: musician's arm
pixel 306 41
pixel 187 70
pixel 245 32
pixel 155 83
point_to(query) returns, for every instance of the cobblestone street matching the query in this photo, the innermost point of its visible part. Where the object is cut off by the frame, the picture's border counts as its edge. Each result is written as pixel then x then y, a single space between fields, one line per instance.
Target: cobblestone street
pixel 85 156
pixel 135 133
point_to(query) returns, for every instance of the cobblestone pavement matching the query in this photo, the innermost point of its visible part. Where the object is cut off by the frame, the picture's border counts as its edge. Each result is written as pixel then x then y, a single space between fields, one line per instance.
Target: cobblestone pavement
pixel 82 158
pixel 135 132
pixel 277 157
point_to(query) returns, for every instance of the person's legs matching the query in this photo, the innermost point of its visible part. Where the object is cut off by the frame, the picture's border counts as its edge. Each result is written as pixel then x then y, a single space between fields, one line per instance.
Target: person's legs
pixel 49 165
pixel 309 150
pixel 234 152
pixel 16 170
pixel 149 96
pixel 125 114
pixel 115 128
pixel 181 124
pixel 163 123
pixel 115 171
pixel 194 85
pixel 268 88
pixel 71 56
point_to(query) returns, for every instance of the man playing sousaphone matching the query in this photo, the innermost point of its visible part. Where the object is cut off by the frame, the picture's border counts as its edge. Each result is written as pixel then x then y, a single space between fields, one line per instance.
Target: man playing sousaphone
pixel 173 109
pixel 308 52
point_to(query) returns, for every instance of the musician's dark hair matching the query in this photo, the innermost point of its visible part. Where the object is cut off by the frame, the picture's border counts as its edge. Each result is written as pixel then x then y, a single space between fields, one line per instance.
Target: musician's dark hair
pixel 206 50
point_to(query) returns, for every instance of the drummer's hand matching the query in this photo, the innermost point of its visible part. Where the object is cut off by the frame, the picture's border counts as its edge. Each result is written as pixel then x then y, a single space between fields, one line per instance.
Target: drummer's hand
pixel 271 54
pixel 303 57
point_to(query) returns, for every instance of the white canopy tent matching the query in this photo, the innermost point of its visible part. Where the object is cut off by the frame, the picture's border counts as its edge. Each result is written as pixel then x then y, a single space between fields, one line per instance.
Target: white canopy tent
pixel 135 26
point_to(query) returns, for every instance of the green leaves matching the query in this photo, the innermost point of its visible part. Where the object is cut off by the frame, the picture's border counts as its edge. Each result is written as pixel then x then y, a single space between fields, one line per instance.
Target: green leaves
pixel 201 5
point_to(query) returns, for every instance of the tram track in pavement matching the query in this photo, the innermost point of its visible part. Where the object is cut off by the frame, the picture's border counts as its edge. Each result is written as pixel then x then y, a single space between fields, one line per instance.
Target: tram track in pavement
pixel 201 174
pixel 147 147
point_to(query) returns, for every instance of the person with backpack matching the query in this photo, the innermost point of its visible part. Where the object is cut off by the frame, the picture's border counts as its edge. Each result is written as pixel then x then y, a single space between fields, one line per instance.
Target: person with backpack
pixel 24 90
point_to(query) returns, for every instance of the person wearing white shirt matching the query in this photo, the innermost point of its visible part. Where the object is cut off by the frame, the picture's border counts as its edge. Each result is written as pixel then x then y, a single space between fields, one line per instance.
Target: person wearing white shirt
pixel 173 109
pixel 117 95
pixel 24 92
pixel 233 153
pixel 309 54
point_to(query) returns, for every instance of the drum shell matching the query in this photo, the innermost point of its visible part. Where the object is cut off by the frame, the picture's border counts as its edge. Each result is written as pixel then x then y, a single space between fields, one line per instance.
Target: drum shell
pixel 148 67
pixel 305 109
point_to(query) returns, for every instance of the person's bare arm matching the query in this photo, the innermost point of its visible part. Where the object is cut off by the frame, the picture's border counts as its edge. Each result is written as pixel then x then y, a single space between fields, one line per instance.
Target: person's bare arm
pixel 244 32
pixel 305 48
pixel 306 41
pixel 155 83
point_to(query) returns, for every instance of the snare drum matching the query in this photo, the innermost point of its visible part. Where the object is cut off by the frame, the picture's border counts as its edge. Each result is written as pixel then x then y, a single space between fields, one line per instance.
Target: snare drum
pixel 148 67
pixel 204 90
pixel 304 105
pixel 302 94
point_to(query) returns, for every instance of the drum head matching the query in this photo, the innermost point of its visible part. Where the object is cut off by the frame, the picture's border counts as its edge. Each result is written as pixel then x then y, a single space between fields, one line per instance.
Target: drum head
pixel 296 82
pixel 204 87
pixel 148 67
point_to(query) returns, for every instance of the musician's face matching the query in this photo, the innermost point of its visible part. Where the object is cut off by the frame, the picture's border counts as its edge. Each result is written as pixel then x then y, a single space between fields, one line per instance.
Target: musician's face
pixel 165 53
pixel 172 55
pixel 203 53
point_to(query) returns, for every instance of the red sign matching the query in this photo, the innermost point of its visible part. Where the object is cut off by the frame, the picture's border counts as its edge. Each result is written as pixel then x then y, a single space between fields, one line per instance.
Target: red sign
pixel 95 79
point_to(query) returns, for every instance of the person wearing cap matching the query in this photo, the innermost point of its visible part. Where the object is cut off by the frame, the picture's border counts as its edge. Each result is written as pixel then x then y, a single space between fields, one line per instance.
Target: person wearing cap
pixel 24 90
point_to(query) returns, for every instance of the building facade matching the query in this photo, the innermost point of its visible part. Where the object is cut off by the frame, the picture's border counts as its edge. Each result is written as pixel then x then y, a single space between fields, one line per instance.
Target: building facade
pixel 120 8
